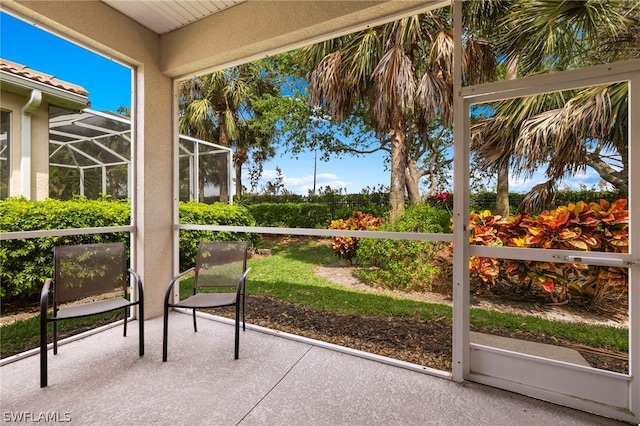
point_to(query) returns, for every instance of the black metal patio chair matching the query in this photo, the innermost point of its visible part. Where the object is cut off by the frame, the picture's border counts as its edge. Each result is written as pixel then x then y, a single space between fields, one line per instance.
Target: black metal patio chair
pixel 220 266
pixel 89 279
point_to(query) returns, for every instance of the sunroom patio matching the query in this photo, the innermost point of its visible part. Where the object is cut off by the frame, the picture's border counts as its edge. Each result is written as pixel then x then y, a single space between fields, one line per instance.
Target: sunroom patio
pixel 279 379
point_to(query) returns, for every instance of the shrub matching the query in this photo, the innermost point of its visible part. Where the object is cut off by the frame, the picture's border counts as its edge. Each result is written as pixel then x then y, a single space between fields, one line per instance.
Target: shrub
pixel 345 247
pixel 402 264
pixel 210 214
pixel 599 226
pixel 291 215
pixel 26 263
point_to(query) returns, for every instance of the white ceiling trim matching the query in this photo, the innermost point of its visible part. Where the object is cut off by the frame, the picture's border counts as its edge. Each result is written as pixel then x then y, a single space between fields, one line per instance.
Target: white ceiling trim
pixel 163 16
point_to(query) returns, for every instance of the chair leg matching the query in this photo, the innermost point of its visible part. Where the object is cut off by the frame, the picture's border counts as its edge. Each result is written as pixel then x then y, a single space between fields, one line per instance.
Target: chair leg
pixel 165 332
pixel 195 327
pixel 43 352
pixel 126 314
pixel 237 343
pixel 55 338
pixel 244 322
pixel 141 327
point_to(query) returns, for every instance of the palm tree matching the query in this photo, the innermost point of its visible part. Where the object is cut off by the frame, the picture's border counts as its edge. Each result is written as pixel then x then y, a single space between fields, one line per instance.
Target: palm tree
pixel 545 35
pixel 589 130
pixel 219 104
pixel 402 73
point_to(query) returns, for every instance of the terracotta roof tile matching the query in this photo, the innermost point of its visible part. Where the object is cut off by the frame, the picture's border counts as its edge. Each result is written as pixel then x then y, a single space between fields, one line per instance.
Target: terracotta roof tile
pixel 26 72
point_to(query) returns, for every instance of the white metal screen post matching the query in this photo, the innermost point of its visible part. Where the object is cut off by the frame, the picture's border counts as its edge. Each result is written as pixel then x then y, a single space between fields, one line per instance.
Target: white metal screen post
pixel 460 364
pixel 176 185
pixel 634 244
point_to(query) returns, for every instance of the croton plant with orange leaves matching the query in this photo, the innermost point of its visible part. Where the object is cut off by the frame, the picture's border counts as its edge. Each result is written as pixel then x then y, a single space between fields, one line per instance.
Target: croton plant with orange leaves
pixel 345 247
pixel 599 226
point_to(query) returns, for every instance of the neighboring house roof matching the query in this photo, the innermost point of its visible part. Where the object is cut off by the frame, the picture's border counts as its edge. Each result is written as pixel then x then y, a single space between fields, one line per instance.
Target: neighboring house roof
pixel 24 71
pixel 20 79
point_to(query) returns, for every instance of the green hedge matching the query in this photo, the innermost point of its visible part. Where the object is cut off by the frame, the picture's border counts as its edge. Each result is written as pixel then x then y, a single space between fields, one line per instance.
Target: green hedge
pixel 291 215
pixel 26 263
pixel 210 214
pixel 341 206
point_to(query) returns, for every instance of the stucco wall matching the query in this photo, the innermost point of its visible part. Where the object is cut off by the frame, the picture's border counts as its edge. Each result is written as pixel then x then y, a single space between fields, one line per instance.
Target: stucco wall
pixel 256 29
pixel 39 146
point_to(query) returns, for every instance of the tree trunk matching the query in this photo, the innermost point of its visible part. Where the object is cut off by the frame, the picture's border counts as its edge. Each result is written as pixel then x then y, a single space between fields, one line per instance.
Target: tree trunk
pixel 238 160
pixel 610 175
pixel 398 172
pixel 413 182
pixel 201 188
pixel 224 167
pixel 502 191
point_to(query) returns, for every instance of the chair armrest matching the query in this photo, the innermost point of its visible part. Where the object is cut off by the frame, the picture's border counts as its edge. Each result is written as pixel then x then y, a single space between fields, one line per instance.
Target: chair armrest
pixel 44 298
pixel 173 281
pixel 241 282
pixel 139 285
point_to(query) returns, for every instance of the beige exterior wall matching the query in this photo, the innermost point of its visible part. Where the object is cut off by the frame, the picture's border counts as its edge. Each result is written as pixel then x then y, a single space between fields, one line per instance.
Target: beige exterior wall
pixel 256 29
pixel 39 146
pixel 238 34
pixel 13 103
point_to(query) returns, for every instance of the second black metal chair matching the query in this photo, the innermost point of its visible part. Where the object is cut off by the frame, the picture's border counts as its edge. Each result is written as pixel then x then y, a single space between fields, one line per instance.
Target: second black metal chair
pixel 220 266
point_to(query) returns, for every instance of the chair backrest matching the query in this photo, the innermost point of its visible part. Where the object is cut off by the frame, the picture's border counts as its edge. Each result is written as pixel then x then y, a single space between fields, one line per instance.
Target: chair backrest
pixel 86 270
pixel 220 263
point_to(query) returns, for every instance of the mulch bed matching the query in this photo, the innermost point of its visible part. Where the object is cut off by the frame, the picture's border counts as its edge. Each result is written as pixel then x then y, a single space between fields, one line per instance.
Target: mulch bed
pixel 426 343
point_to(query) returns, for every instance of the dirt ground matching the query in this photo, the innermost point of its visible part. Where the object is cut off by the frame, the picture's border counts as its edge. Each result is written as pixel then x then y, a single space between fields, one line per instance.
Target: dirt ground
pixel 414 340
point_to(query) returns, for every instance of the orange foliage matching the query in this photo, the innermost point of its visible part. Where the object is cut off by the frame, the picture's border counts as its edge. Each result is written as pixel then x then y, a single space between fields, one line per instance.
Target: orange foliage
pixel 346 247
pixel 599 226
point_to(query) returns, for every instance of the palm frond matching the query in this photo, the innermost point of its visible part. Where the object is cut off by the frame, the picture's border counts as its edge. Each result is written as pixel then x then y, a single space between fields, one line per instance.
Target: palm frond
pixel 361 55
pixel 331 87
pixel 310 56
pixel 434 97
pixel 540 139
pixel 549 34
pixel 198 117
pixel 560 136
pixel 409 32
pixel 230 123
pixel 394 88
pixel 600 112
pixel 492 142
pixel 481 15
pixel 541 197
pixel 441 55
pixel 480 61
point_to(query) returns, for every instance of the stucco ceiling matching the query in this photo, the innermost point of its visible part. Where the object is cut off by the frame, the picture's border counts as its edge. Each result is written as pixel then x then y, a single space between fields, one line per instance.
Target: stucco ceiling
pixel 163 16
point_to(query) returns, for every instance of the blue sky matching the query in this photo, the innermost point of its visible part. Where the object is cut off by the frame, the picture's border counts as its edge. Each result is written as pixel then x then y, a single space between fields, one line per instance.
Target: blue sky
pixel 108 82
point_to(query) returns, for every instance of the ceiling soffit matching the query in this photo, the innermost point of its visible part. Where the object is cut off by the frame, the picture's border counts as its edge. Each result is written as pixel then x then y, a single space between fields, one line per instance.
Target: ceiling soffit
pixel 163 16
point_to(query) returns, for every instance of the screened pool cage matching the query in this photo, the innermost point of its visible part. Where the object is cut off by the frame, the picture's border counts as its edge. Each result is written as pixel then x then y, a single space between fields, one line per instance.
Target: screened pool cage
pixel 90 155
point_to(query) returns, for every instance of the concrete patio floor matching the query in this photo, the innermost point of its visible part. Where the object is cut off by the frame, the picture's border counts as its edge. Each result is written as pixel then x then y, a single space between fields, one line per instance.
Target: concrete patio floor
pixel 100 380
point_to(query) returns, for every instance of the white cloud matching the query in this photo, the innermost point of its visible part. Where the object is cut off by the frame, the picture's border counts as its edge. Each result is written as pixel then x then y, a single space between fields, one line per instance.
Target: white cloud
pixel 303 184
pixel 588 178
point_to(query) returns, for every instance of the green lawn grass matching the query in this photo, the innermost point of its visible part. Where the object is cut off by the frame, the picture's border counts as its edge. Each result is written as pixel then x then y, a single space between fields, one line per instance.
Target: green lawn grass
pixel 22 335
pixel 288 274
